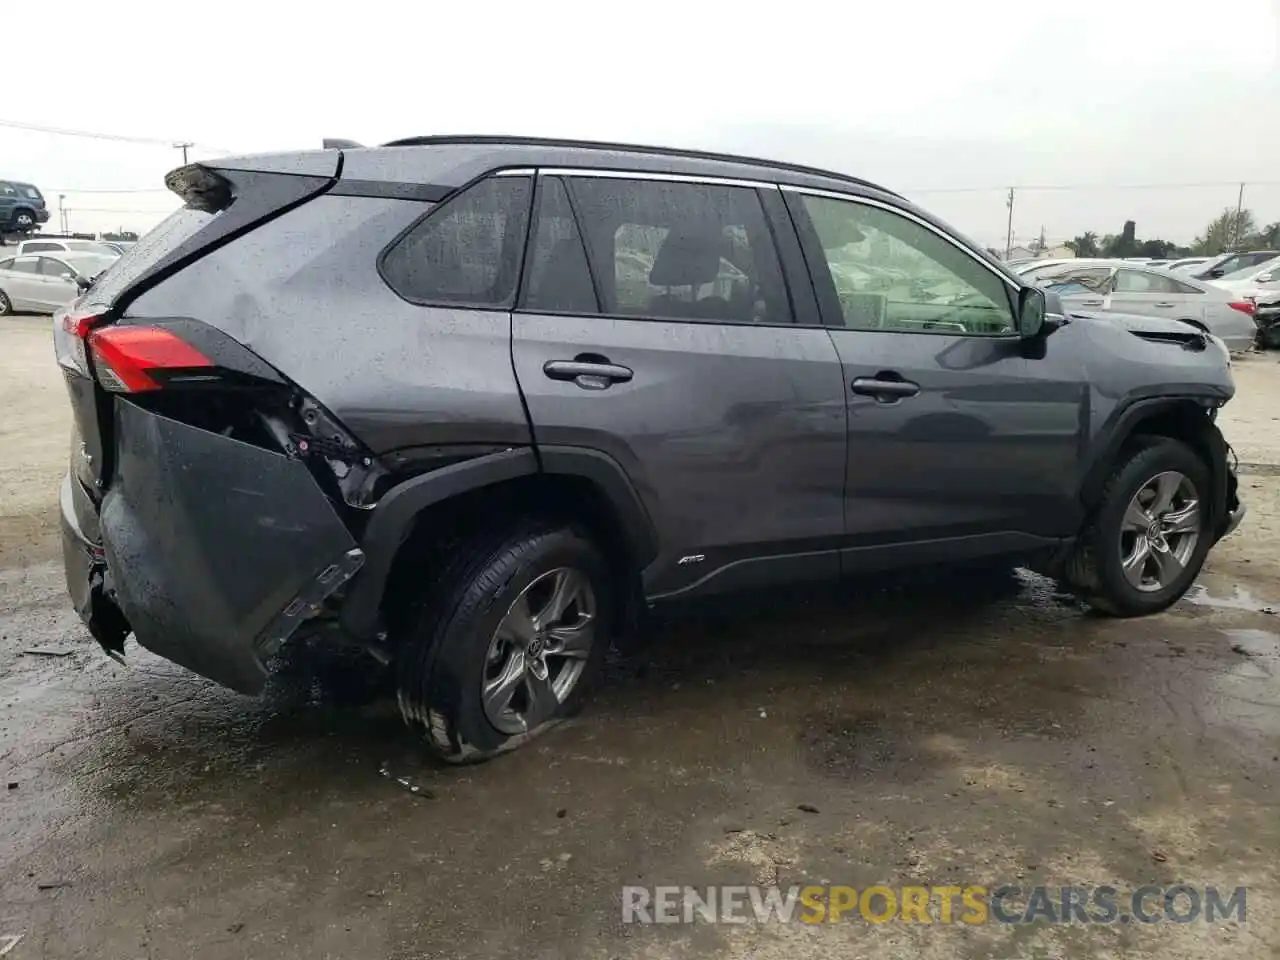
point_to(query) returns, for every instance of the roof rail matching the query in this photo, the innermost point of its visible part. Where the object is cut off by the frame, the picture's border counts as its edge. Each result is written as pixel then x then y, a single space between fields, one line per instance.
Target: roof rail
pixel 635 148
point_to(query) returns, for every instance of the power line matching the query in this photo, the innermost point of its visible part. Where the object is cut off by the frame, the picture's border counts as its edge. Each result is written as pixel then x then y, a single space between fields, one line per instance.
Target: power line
pixel 117 137
pixel 1099 186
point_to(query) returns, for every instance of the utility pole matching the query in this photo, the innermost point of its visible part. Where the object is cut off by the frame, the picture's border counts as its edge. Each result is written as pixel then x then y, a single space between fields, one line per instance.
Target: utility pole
pixel 1008 234
pixel 1235 240
pixel 183 147
pixel 62 211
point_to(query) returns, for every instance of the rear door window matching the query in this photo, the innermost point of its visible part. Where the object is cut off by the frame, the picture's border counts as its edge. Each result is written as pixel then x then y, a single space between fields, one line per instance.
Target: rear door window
pixel 50 267
pixel 1138 281
pixel 559 279
pixel 467 251
pixel 680 251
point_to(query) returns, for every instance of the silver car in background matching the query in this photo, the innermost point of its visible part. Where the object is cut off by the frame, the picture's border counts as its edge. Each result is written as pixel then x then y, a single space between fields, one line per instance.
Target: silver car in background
pixel 41 283
pixel 1116 286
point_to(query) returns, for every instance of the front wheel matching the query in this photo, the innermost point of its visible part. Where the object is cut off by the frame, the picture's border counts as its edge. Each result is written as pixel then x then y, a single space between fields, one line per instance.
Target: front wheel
pixel 508 644
pixel 1149 535
pixel 6 305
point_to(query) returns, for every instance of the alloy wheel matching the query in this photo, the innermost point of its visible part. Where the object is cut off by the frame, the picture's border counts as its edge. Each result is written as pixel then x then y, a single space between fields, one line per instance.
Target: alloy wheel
pixel 24 221
pixel 539 651
pixel 1159 531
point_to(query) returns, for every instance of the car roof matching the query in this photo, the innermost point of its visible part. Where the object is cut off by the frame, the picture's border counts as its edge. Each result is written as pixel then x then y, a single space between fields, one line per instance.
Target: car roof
pixel 476 154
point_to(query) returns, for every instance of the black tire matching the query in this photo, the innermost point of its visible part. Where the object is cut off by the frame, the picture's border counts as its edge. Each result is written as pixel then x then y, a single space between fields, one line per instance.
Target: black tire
pixel 24 221
pixel 442 657
pixel 1269 337
pixel 1094 569
pixel 6 305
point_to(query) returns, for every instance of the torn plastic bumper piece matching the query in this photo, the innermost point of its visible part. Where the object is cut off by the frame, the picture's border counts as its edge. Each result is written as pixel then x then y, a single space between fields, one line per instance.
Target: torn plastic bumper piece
pixel 215 550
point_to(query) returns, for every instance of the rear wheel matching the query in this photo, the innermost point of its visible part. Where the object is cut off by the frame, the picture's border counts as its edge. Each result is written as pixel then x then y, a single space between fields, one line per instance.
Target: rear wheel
pixel 23 221
pixel 509 642
pixel 1148 537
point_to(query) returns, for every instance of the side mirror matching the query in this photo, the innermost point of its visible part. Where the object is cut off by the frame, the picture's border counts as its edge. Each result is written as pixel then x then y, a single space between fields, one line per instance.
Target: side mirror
pixel 82 282
pixel 1217 272
pixel 1266 278
pixel 1031 313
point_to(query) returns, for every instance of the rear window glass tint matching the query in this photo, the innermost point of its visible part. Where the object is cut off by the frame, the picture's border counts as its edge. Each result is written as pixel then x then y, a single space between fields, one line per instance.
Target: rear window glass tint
pixel 172 232
pixel 468 250
pixel 680 251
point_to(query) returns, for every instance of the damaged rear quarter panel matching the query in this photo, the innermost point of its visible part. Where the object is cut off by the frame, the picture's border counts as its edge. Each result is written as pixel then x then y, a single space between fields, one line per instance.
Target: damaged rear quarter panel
pixel 208 539
pixel 303 292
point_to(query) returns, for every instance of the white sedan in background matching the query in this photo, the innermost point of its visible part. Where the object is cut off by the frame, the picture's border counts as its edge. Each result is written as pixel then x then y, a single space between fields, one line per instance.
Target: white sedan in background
pixel 1115 286
pixel 1261 282
pixel 43 283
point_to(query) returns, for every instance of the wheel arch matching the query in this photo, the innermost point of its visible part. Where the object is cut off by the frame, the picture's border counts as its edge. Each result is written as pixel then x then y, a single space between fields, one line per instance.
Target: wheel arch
pixel 431 510
pixel 1181 418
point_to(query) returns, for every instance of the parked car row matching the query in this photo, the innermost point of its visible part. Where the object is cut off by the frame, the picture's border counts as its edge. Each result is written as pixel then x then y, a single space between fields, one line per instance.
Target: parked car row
pixel 42 284
pixel 1199 293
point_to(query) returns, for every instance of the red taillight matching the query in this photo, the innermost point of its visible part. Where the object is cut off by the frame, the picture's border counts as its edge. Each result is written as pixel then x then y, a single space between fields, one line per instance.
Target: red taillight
pixel 125 358
pixel 1244 306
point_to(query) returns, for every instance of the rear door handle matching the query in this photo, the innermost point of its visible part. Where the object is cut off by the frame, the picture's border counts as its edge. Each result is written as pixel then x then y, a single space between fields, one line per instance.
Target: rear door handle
pixel 1165 303
pixel 1090 303
pixel 887 390
pixel 588 375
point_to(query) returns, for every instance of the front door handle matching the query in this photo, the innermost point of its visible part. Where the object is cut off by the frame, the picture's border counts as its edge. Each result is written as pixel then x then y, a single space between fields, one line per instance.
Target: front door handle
pixel 1090 303
pixel 1165 303
pixel 886 390
pixel 589 375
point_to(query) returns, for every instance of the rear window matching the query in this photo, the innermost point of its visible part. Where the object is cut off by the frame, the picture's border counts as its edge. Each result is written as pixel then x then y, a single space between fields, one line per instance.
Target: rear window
pixel 467 251
pixel 176 229
pixel 30 193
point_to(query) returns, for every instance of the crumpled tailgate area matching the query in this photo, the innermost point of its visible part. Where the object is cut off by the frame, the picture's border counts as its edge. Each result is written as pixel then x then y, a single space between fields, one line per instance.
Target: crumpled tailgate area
pixel 208 540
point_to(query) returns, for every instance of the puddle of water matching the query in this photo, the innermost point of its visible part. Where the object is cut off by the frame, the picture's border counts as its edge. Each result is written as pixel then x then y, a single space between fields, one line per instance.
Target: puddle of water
pixel 1240 599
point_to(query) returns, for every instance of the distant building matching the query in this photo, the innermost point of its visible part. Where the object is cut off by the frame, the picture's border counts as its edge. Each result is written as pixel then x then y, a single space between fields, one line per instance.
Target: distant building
pixel 1058 252
pixel 1020 253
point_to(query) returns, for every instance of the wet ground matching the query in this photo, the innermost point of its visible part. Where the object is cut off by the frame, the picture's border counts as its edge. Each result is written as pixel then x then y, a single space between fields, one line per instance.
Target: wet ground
pixel 958 731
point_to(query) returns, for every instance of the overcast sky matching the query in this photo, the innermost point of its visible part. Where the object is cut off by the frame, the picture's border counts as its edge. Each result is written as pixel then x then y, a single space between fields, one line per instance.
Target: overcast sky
pixel 950 103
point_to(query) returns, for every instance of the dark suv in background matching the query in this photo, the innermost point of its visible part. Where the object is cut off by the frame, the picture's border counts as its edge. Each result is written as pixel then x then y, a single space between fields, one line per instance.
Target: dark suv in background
pixel 22 207
pixel 478 402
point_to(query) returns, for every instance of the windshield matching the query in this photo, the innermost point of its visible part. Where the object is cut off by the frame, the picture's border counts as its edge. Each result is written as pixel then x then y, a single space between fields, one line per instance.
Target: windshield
pixel 1248 273
pixel 179 226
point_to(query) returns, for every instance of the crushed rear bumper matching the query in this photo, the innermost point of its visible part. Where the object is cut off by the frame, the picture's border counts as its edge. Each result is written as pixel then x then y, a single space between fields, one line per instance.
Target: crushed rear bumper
pixel 212 551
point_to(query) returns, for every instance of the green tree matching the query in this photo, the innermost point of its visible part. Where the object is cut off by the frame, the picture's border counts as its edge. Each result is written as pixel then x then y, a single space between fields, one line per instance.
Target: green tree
pixel 1226 231
pixel 1085 245
pixel 1268 238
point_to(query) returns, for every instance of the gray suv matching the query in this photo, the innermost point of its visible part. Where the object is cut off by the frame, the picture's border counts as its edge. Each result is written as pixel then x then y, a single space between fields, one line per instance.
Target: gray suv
pixel 477 403
pixel 22 208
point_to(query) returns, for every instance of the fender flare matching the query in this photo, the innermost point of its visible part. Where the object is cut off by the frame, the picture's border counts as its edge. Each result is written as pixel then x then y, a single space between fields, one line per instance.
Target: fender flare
pixel 394 516
pixel 1123 424
pixel 607 474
